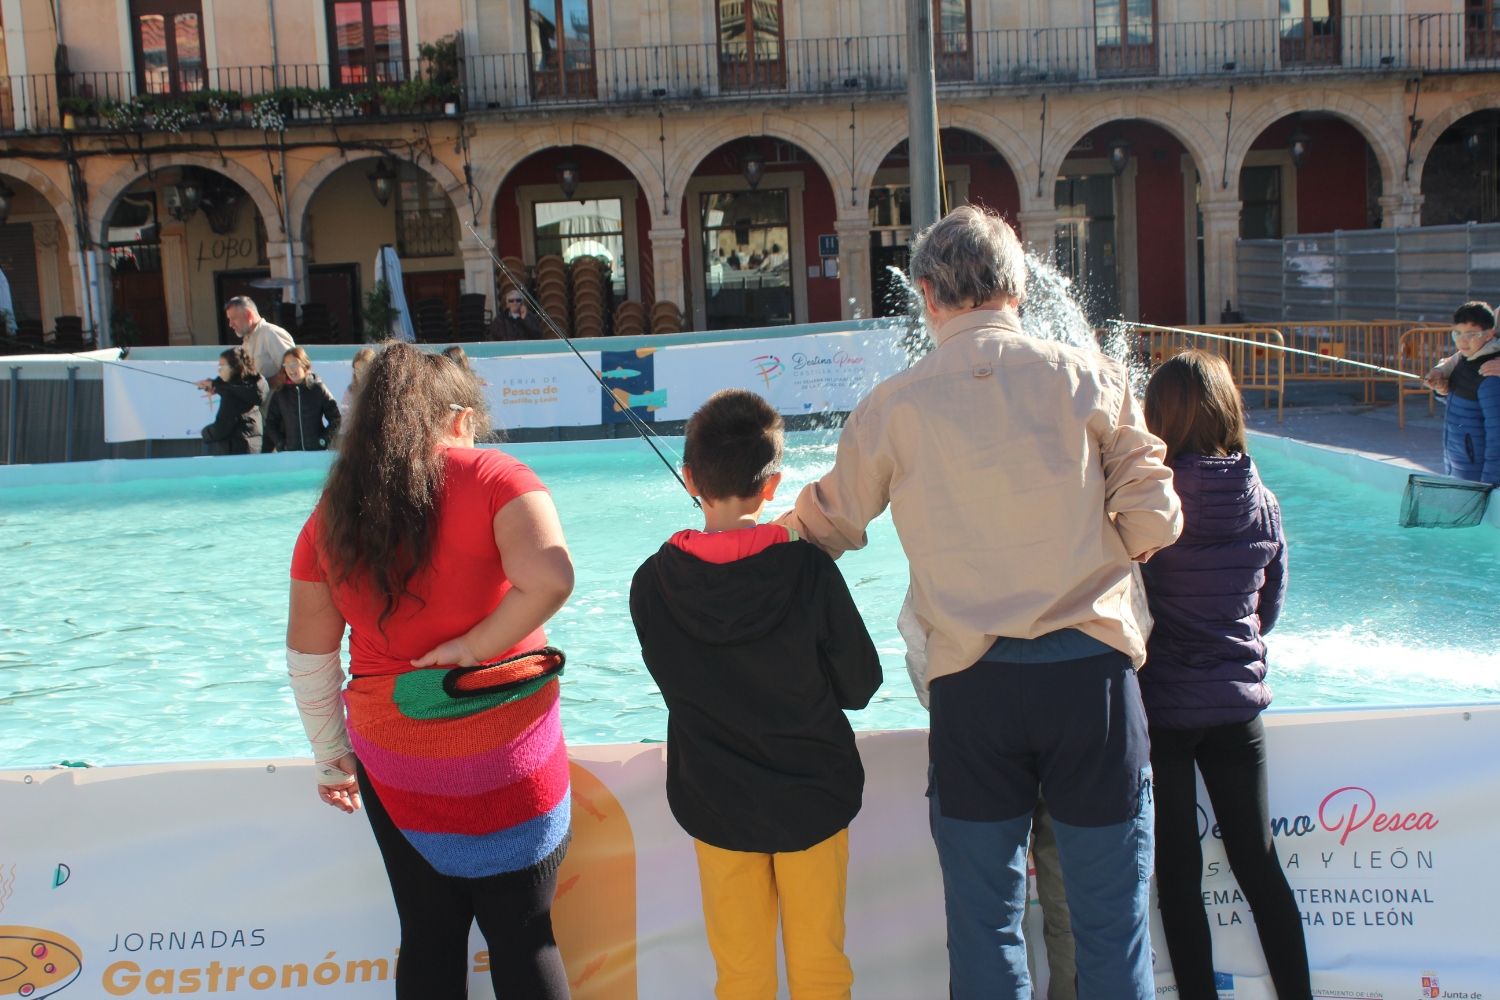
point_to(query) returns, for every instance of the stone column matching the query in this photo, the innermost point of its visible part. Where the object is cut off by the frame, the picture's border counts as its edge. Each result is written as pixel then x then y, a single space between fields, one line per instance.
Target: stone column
pixel 669 269
pixel 856 294
pixel 1037 230
pixel 479 269
pixel 296 268
pixel 175 274
pixel 1221 230
pixel 1402 210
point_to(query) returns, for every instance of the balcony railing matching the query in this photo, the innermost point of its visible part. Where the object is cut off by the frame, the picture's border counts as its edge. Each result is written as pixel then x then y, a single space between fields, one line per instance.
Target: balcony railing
pixel 984 61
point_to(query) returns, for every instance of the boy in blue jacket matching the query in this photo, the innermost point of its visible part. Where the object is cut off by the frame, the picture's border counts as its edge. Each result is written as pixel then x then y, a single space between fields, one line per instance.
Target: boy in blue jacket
pixel 1471 431
pixel 758 649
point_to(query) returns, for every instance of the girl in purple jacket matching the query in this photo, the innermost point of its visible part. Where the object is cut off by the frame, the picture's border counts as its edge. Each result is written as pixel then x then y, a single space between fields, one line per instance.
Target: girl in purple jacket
pixel 1214 595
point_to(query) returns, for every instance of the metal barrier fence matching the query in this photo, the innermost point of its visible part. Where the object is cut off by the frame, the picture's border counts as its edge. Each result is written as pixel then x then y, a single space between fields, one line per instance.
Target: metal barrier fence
pixel 1257 366
pixel 1421 349
pixel 1416 275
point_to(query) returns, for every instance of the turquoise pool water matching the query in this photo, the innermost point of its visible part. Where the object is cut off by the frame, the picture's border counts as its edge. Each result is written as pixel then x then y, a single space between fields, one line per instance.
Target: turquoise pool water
pixel 143 621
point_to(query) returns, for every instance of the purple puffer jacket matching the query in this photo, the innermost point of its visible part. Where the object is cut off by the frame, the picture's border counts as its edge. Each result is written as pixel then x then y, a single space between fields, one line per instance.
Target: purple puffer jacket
pixel 1213 595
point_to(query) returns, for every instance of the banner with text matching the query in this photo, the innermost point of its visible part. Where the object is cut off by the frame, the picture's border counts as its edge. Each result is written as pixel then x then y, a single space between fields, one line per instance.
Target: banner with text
pixel 232 878
pixel 815 373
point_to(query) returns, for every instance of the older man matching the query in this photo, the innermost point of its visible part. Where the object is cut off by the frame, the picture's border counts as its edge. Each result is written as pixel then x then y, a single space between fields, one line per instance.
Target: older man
pixel 1023 485
pixel 265 341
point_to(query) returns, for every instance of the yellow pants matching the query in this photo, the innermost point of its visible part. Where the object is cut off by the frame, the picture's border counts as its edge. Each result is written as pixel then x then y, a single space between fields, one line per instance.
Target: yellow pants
pixel 742 893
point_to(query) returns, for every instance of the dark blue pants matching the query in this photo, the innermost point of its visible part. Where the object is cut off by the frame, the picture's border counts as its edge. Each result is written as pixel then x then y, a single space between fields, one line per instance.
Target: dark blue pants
pixel 1076 730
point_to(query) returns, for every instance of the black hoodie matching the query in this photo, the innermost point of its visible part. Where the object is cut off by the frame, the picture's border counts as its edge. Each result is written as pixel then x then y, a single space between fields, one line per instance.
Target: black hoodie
pixel 755 659
pixel 302 417
pixel 236 427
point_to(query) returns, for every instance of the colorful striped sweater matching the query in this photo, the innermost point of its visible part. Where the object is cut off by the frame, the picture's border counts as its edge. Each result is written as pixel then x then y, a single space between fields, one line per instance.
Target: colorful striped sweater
pixel 469 762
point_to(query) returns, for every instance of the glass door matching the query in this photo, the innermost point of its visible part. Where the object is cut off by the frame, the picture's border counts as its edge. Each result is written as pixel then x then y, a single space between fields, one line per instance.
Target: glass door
pixel 747 266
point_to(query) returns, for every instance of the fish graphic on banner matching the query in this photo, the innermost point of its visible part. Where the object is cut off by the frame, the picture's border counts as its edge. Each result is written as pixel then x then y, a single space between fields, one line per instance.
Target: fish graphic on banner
pixel 631 377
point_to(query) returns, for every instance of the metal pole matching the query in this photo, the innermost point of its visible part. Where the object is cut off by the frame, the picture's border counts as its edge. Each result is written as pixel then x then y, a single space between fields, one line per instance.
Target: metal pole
pixel 921 113
pixel 72 411
pixel 15 409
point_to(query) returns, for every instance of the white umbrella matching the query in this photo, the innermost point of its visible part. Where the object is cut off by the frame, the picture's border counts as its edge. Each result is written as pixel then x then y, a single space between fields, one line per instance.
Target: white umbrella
pixel 388 269
pixel 6 304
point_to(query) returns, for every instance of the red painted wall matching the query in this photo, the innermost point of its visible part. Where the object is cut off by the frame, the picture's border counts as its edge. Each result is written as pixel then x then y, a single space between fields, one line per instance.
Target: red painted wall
pixel 1332 186
pixel 1161 234
pixel 541 168
pixel 992 182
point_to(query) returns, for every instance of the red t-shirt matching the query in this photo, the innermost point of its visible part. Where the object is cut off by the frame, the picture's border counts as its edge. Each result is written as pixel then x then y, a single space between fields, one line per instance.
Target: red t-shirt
pixel 461 584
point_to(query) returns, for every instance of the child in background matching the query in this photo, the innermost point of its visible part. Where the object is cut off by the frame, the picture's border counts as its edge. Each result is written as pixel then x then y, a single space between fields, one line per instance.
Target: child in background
pixel 242 391
pixel 1213 596
pixel 757 647
pixel 361 362
pixel 303 416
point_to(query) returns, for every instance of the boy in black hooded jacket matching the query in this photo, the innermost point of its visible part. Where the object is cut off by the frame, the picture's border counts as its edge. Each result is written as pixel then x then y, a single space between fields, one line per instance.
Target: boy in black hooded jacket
pixel 757 647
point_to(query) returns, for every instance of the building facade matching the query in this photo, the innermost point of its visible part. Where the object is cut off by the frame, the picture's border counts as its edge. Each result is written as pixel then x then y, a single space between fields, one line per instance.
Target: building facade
pixel 743 159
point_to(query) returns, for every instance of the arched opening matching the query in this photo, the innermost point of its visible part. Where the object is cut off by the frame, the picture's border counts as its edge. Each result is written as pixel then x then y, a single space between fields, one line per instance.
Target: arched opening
pixel 575 202
pixel 181 241
pixel 1461 178
pixel 1309 173
pixel 356 210
pixel 974 173
pixel 36 259
pixel 754 210
pixel 1129 232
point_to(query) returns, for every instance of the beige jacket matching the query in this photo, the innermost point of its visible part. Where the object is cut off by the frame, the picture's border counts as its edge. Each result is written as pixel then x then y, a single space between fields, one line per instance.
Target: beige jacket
pixel 267 344
pixel 1022 481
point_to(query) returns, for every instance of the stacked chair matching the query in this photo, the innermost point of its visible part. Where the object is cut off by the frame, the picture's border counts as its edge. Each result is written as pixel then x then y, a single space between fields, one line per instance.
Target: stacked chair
pixel 317 325
pixel 589 298
pixel 69 335
pixel 430 321
pixel 552 290
pixel 517 267
pixel 666 317
pixel 472 321
pixel 630 319
pixel 29 333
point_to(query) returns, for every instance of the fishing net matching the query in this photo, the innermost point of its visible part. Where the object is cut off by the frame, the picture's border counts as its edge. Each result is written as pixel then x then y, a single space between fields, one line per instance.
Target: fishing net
pixel 1438 502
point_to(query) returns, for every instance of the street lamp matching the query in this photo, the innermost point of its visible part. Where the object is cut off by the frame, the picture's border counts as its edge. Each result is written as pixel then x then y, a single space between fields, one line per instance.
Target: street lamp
pixel 1119 155
pixel 187 196
pixel 1474 142
pixel 567 177
pixel 383 182
pixel 1297 145
pixel 753 167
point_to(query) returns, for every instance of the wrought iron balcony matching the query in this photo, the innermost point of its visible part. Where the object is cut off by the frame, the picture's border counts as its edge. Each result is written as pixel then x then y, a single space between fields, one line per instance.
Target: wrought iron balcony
pixel 979 62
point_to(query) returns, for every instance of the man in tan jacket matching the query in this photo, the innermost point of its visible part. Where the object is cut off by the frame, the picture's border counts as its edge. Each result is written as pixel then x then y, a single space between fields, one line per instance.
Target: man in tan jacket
pixel 1024 487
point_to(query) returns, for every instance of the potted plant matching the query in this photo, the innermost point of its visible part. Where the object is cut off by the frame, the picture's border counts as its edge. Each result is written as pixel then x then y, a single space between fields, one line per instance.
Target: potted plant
pixel 379 314
pixel 78 111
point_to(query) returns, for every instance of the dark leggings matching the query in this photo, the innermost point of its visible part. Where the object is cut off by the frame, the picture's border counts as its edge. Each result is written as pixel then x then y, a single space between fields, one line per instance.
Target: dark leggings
pixel 514 911
pixel 1233 761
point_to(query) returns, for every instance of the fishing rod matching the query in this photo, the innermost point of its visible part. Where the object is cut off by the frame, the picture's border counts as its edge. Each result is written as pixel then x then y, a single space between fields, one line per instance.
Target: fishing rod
pixel 1272 347
pixel 101 361
pixel 641 427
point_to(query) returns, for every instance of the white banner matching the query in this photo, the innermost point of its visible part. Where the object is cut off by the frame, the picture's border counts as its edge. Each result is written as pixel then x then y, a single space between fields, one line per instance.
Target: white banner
pixel 816 373
pixel 157 400
pixel 232 877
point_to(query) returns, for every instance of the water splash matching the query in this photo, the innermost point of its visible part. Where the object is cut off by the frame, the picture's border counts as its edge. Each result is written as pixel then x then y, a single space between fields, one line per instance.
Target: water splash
pixel 1055 308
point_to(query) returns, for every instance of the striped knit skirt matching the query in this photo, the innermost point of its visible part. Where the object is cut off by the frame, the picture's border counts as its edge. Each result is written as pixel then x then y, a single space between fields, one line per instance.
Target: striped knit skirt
pixel 469 762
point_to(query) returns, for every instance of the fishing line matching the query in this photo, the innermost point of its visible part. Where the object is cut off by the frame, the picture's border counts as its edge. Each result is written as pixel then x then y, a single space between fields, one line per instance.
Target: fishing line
pixel 97 361
pixel 641 427
pixel 1271 347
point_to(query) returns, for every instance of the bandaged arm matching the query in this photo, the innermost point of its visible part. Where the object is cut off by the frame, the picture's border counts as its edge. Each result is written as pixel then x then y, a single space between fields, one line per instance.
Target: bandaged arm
pixel 317 680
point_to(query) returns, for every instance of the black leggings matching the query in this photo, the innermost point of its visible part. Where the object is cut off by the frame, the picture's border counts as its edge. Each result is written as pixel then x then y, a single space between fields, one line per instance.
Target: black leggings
pixel 514 911
pixel 1233 761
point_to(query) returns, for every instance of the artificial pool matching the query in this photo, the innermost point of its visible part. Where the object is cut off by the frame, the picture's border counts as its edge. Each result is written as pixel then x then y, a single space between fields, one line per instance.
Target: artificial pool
pixel 143 619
